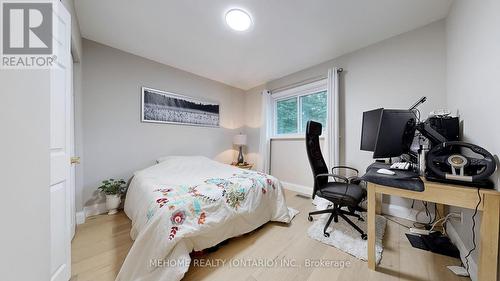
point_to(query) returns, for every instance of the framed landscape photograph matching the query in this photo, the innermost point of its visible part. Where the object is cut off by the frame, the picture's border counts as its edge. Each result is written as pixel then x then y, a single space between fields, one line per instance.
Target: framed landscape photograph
pixel 164 107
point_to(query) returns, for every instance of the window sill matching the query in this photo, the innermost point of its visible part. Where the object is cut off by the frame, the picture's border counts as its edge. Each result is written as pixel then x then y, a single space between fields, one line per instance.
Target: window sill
pixel 298 137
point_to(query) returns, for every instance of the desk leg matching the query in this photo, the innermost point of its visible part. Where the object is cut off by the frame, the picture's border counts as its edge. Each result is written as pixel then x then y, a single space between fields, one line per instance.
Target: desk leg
pixel 372 207
pixel 378 208
pixel 488 241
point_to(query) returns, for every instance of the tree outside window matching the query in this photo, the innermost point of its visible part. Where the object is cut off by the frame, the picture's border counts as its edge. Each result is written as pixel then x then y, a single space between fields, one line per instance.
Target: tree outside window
pixel 292 114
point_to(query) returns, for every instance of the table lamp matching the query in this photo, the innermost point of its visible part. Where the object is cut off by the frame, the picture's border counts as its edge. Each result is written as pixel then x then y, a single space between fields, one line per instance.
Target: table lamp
pixel 240 140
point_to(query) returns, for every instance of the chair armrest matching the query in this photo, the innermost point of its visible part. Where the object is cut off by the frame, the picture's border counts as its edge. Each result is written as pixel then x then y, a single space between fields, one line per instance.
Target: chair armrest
pixel 346 167
pixel 333 176
pixel 354 179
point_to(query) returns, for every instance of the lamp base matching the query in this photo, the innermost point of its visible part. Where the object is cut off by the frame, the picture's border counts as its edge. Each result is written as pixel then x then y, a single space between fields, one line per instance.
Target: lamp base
pixel 241 161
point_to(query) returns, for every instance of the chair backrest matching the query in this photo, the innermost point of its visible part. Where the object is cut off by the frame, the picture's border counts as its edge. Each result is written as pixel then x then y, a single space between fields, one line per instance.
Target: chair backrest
pixel 318 165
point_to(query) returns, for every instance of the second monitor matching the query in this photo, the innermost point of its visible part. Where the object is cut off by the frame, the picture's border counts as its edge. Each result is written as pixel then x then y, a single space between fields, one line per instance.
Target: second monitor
pixel 395 131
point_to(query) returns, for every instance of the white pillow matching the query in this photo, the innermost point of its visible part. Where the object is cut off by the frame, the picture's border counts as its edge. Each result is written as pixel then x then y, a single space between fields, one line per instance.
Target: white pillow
pixel 177 158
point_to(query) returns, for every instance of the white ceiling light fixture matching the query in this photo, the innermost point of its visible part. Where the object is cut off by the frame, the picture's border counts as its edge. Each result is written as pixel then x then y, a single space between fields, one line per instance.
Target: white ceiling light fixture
pixel 238 19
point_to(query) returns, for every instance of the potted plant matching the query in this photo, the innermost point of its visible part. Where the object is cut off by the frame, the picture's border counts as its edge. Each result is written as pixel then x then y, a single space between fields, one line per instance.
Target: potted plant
pixel 113 190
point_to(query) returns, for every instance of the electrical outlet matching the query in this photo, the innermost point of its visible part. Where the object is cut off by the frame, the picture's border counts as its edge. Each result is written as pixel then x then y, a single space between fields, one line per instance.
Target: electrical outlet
pixel 420 231
pixel 457 216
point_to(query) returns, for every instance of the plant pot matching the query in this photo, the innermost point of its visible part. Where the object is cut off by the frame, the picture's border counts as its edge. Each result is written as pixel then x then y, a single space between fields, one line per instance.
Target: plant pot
pixel 112 203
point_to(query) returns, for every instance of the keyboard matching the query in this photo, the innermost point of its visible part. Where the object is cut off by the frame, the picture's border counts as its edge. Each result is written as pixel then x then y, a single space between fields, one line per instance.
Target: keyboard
pixel 401 166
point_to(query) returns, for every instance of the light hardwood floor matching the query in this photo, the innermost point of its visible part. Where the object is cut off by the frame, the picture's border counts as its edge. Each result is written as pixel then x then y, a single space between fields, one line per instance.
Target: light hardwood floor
pixel 101 244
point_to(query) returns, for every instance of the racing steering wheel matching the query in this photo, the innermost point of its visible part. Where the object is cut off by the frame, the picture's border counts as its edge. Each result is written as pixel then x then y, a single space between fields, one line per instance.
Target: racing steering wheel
pixel 445 162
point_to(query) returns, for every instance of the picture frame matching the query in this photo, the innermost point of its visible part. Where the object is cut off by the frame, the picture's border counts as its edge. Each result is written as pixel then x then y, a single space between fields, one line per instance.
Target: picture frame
pixel 159 106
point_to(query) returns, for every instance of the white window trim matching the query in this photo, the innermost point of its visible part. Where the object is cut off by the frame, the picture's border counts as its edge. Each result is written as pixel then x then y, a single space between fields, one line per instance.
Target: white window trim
pixel 297 92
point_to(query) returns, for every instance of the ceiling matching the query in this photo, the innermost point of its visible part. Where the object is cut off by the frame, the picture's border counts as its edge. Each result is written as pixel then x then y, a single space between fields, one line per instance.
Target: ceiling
pixel 287 35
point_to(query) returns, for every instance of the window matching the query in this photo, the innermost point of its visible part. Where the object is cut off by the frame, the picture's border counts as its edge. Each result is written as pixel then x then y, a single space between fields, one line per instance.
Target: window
pixel 313 107
pixel 286 114
pixel 294 107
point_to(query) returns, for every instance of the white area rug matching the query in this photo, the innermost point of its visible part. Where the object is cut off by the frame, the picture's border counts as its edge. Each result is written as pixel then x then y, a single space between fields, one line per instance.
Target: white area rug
pixel 346 238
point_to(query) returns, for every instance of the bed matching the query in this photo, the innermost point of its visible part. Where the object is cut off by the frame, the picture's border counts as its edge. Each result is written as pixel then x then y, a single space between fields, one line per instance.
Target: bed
pixel 193 203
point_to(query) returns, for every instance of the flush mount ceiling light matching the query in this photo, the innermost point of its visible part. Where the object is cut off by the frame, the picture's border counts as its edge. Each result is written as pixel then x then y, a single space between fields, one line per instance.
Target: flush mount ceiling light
pixel 238 20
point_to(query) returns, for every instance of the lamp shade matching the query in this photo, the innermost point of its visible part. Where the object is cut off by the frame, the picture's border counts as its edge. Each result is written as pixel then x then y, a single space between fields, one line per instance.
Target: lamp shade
pixel 240 139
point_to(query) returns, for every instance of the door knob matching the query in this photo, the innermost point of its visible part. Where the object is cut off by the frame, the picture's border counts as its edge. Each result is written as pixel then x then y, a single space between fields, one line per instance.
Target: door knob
pixel 75 160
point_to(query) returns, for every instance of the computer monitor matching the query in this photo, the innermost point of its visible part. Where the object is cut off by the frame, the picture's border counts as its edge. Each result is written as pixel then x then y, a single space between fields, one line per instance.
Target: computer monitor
pixel 369 131
pixel 395 133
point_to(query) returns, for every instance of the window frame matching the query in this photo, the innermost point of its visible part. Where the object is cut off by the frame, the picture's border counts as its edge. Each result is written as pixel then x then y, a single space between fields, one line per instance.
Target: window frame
pixel 296 92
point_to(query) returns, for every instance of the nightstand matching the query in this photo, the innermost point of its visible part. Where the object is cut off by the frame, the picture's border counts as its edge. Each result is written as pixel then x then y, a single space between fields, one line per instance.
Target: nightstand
pixel 246 166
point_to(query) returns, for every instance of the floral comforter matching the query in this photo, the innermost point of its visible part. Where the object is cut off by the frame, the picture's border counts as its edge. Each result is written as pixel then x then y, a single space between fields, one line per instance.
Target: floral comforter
pixel 193 203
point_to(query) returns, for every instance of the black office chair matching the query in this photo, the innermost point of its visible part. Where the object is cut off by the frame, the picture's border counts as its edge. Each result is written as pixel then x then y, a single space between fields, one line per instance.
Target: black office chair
pixel 342 192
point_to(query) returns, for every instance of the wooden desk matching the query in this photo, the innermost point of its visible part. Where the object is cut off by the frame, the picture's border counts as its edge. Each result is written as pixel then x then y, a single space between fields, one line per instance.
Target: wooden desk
pixel 454 195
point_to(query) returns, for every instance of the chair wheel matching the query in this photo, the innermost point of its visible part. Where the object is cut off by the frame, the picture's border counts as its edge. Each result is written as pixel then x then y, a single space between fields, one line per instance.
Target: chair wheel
pixel 309 218
pixel 326 234
pixel 364 236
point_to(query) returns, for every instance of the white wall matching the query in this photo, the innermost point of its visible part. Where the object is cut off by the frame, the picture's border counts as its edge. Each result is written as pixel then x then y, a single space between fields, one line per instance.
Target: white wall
pixel 116 143
pixel 392 74
pixel 473 87
pixel 24 166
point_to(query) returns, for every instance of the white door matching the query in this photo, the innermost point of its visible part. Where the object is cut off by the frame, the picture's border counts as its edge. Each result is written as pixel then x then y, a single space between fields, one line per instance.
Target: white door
pixel 60 147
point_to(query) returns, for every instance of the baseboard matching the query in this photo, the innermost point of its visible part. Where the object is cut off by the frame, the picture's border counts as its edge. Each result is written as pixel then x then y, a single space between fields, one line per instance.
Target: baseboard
pixel 455 238
pixel 297 188
pixel 94 210
pixel 388 209
pixel 80 217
